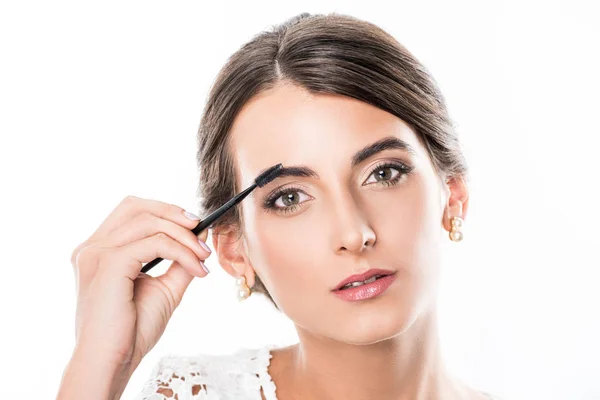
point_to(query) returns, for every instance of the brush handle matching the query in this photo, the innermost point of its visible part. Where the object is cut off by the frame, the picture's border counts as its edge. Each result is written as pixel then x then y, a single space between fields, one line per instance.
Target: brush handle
pixel 218 213
pixel 151 264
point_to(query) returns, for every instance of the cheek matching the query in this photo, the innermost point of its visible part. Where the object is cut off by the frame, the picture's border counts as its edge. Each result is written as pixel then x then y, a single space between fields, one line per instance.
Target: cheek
pixel 287 253
pixel 408 229
pixel 411 217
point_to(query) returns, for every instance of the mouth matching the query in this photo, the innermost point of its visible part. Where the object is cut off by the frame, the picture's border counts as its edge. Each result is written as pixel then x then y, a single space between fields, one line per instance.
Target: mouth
pixel 362 279
pixel 370 288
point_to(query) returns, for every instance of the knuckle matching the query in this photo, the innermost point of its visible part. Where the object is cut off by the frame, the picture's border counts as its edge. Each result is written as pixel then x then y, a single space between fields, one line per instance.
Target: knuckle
pixel 162 237
pixel 164 244
pixel 75 253
pixel 173 208
pixel 129 200
pixel 86 256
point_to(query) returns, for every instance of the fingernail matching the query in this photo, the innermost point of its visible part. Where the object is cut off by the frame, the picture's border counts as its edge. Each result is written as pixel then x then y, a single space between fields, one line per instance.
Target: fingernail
pixel 204 245
pixel 204 267
pixel 191 216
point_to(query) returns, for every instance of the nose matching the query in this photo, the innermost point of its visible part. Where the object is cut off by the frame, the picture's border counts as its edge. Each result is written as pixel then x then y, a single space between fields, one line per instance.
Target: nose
pixel 354 233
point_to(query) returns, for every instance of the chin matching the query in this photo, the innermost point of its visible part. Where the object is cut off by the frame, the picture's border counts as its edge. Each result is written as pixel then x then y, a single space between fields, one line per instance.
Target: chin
pixel 359 322
pixel 372 325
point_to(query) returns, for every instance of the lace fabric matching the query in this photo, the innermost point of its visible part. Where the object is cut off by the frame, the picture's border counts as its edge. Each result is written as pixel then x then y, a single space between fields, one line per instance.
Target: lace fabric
pixel 242 375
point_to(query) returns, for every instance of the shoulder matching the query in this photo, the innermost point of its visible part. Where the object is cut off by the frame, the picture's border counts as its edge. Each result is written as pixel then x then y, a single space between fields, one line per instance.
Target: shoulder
pixel 239 375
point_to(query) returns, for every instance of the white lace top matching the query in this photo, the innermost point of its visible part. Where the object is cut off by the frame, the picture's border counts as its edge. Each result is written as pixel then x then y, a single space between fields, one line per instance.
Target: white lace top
pixel 237 376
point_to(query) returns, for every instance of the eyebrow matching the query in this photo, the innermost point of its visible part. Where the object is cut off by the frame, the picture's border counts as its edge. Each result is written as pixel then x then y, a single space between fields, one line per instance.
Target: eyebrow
pixel 387 143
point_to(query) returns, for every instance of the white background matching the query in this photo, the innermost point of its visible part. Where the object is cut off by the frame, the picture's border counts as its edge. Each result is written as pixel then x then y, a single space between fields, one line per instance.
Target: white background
pixel 99 100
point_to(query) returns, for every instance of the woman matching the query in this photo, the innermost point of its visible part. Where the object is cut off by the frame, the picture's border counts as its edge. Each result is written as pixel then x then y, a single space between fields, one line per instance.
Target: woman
pixel 347 243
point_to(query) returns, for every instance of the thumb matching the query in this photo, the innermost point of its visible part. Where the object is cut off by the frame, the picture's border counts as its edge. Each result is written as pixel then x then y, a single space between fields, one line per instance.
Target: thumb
pixel 177 279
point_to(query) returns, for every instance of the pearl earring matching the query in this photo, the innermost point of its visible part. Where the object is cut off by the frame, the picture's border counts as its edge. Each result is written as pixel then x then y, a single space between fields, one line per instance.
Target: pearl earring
pixel 243 291
pixel 456 234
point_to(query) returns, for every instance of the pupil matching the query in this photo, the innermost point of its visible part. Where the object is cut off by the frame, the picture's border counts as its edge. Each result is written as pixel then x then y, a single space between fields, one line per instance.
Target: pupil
pixel 380 175
pixel 288 198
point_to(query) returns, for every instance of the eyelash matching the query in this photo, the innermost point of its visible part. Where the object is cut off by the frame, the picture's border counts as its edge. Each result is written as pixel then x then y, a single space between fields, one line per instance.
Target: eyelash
pixel 269 203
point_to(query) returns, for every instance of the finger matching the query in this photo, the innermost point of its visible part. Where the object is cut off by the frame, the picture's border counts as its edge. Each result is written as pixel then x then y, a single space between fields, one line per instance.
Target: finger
pixel 203 235
pixel 85 267
pixel 177 279
pixel 147 224
pixel 132 206
pixel 127 260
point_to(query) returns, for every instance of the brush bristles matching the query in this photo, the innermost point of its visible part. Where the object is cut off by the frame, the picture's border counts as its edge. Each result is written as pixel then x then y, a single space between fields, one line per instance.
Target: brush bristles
pixel 268 175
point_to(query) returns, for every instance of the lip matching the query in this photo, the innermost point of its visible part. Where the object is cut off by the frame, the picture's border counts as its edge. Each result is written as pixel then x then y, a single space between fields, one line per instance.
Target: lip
pixel 362 277
pixel 366 291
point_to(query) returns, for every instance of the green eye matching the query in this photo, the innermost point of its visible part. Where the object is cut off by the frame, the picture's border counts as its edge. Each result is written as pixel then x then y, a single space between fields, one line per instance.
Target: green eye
pixel 390 178
pixel 291 196
pixel 288 198
pixel 385 176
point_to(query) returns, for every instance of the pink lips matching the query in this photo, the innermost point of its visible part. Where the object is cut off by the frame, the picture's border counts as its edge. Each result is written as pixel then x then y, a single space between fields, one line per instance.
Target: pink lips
pixel 365 291
pixel 363 277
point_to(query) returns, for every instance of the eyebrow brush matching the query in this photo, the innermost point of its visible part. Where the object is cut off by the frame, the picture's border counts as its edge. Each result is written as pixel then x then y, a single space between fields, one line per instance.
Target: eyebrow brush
pixel 260 181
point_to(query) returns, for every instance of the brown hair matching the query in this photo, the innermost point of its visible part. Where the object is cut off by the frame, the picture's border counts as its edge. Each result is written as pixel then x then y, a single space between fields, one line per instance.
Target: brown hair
pixel 332 54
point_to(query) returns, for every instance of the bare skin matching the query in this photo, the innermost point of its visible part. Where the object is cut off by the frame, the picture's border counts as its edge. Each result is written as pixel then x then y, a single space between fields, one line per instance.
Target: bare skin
pixel 291 375
pixel 344 223
pixel 121 313
pixel 350 220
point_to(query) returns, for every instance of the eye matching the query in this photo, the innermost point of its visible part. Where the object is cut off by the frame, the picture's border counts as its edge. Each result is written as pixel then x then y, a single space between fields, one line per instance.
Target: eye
pixel 384 173
pixel 289 197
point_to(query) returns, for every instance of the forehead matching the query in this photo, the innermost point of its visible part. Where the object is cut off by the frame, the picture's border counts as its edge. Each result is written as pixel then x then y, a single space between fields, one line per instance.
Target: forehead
pixel 288 125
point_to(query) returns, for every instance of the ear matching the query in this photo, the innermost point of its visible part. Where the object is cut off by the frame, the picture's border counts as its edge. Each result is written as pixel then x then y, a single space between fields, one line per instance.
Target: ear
pixel 457 203
pixel 231 252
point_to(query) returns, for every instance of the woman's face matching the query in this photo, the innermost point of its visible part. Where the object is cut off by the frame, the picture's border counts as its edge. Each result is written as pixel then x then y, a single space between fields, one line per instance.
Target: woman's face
pixel 350 219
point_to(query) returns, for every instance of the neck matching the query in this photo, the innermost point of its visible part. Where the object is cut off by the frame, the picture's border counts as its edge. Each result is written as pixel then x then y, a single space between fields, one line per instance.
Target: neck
pixel 405 367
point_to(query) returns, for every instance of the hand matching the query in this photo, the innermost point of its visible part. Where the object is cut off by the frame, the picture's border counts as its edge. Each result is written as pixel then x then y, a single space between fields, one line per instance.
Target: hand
pixel 122 312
